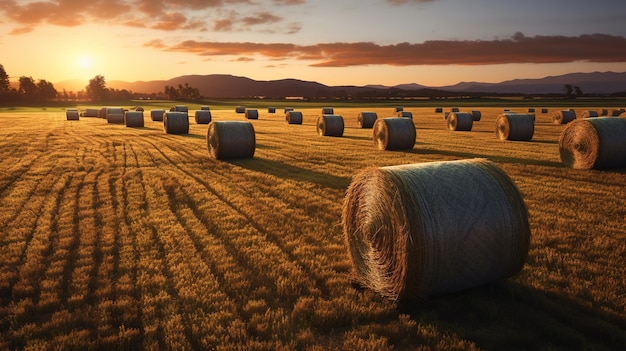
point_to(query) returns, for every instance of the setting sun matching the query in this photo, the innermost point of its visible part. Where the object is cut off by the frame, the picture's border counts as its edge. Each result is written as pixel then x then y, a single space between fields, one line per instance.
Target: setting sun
pixel 85 62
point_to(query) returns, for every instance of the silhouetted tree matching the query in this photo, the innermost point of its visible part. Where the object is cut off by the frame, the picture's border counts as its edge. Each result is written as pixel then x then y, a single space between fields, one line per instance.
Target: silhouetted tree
pixel 578 91
pixel 183 92
pixel 5 85
pixel 569 89
pixel 45 90
pixel 97 90
pixel 28 88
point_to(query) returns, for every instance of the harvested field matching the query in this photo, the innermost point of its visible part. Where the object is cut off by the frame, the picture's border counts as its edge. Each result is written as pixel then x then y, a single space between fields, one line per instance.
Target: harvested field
pixel 131 238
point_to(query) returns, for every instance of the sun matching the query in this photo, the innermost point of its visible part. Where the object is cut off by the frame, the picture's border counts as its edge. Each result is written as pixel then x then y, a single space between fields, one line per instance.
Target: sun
pixel 85 62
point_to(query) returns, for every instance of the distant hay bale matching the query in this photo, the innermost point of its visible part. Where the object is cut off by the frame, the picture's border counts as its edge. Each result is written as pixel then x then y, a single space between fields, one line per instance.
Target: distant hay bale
pixel 394 133
pixel 157 115
pixel 252 114
pixel 231 139
pixel 203 116
pixel 180 108
pixel 72 114
pixel 366 119
pixel 438 109
pixel 102 113
pixel 460 121
pixel 589 114
pixel 115 115
pixel 91 112
pixel 287 109
pixel 515 126
pixel 271 110
pixel 616 113
pixel 604 112
pixel 328 111
pixel 531 110
pixel 204 108
pixel 405 114
pixel 563 117
pixel 133 119
pixel 330 125
pixel 399 109
pixel 139 108
pixel 176 123
pixel 419 230
pixel 476 115
pixel 293 117
pixel 454 109
pixel 240 109
pixel 544 110
pixel 594 143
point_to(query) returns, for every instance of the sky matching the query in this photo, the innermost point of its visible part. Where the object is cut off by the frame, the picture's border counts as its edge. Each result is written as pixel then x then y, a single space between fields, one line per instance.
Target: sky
pixel 333 42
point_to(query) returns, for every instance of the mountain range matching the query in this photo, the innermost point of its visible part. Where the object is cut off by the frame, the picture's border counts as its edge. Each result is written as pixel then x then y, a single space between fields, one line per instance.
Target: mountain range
pixel 229 86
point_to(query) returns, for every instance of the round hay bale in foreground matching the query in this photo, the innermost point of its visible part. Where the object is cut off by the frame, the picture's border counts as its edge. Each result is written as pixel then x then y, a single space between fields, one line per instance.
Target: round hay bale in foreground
pixel 293 117
pixel 563 116
pixel 231 139
pixel 460 121
pixel 157 115
pixel 202 116
pixel 72 114
pixel 176 123
pixel 394 133
pixel 133 119
pixel 328 111
pixel 589 114
pixel 476 115
pixel 420 230
pixel 115 115
pixel 366 119
pixel 252 114
pixel 405 114
pixel 594 143
pixel 515 126
pixel 330 125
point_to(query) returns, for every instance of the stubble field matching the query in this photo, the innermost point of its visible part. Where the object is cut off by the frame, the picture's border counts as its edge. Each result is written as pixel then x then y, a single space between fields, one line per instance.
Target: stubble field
pixel 130 238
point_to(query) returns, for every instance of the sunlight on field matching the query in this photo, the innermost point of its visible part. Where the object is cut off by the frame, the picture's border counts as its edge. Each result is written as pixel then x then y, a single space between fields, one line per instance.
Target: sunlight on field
pixel 115 237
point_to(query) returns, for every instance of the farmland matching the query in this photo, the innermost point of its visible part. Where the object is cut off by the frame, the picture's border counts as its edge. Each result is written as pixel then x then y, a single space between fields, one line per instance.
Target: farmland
pixel 130 238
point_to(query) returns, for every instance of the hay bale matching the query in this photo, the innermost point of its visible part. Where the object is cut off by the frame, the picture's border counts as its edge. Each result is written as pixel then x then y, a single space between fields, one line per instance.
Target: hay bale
pixel 394 133
pixel 563 116
pixel 240 109
pixel 438 109
pixel 460 121
pixel 231 139
pixel 252 114
pixel 405 114
pixel 589 114
pixel 180 108
pixel 102 113
pixel 399 109
pixel 287 109
pixel 133 119
pixel 91 112
pixel 515 126
pixel 328 111
pixel 330 125
pixel 366 119
pixel 271 110
pixel 293 117
pixel 594 143
pixel 426 229
pixel 454 109
pixel 544 110
pixel 72 114
pixel 616 113
pixel 176 123
pixel 115 115
pixel 203 116
pixel 157 115
pixel 604 112
pixel 476 115
pixel 531 110
pixel 205 108
pixel 139 108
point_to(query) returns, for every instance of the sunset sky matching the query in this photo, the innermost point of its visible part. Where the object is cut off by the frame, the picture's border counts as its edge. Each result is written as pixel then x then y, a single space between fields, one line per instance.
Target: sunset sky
pixel 338 42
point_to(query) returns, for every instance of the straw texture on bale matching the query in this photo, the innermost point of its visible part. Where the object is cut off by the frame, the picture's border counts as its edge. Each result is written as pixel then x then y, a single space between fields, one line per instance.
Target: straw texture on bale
pixel 460 121
pixel 328 111
pixel 563 116
pixel 366 119
pixel 330 125
pixel 91 112
pixel 438 109
pixel 476 115
pixel 252 114
pixel 72 114
pixel 115 115
pixel 133 119
pixel 271 110
pixel 293 117
pixel 405 114
pixel 420 230
pixel 514 126
pixel 394 133
pixel 240 109
pixel 203 116
pixel 594 143
pixel 157 115
pixel 231 139
pixel 589 114
pixel 176 123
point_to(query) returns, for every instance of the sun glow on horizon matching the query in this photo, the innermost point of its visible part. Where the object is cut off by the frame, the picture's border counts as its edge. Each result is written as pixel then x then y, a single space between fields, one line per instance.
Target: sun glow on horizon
pixel 85 62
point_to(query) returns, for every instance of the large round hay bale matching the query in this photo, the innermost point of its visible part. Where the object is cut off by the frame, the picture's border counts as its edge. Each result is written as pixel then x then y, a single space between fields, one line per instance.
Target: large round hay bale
pixel 72 114
pixel 328 111
pixel 394 133
pixel 589 114
pixel 115 115
pixel 133 119
pixel 240 109
pixel 330 125
pixel 594 143
pixel 460 121
pixel 252 114
pixel 515 126
pixel 366 119
pixel 476 115
pixel 176 123
pixel 293 117
pixel 231 139
pixel 426 229
pixel 157 115
pixel 563 116
pixel 203 116
pixel 405 114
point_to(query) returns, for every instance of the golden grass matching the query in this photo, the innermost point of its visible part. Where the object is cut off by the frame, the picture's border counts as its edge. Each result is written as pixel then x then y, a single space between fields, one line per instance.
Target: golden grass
pixel 127 238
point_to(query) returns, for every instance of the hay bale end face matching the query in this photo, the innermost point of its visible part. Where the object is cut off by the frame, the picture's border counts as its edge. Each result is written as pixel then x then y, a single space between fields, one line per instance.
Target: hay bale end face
pixel 394 133
pixel 72 114
pixel 203 116
pixel 563 116
pixel 176 123
pixel 231 139
pixel 594 143
pixel 115 115
pixel 157 115
pixel 330 125
pixel 460 121
pixel 418 230
pixel 366 119
pixel 514 126
pixel 133 119
pixel 589 114
pixel 252 114
pixel 293 117
pixel 446 115
pixel 328 111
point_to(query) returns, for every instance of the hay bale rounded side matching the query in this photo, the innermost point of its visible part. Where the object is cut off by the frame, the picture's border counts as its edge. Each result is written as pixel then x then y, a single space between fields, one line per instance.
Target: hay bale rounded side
pixel 438 109
pixel 394 133
pixel 115 115
pixel 203 116
pixel 460 121
pixel 240 109
pixel 604 112
pixel 617 113
pixel 328 111
pixel 589 114
pixel 231 139
pixel 366 119
pixel 594 143
pixel 563 116
pixel 176 123
pixel 133 119
pixel 102 113
pixel 157 115
pixel 405 114
pixel 91 112
pixel 515 126
pixel 180 108
pixel 476 115
pixel 252 114
pixel 271 110
pixel 454 109
pixel 72 114
pixel 330 125
pixel 418 230
pixel 293 117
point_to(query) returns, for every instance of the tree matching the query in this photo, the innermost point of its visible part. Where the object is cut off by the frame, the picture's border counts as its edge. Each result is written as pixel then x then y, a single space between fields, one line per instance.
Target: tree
pixel 45 90
pixel 5 85
pixel 578 91
pixel 569 89
pixel 97 90
pixel 28 88
pixel 183 92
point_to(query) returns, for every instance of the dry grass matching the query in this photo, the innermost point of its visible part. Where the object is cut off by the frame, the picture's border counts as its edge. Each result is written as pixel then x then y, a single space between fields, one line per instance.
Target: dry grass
pixel 127 238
